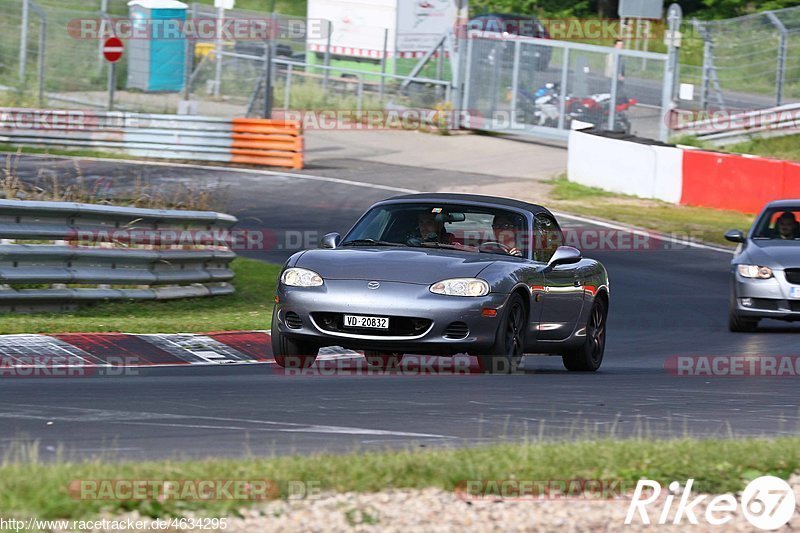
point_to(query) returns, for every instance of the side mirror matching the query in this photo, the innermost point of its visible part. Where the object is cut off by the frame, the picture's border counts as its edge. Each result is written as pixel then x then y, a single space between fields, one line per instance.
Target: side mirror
pixel 734 235
pixel 564 255
pixel 331 240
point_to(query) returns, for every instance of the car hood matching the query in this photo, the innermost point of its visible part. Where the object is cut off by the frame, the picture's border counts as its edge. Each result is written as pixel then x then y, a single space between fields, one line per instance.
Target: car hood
pixel 423 266
pixel 774 254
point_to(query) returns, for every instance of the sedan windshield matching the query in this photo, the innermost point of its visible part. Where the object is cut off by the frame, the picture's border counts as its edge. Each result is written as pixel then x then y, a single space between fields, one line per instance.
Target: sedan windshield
pixel 447 226
pixel 779 224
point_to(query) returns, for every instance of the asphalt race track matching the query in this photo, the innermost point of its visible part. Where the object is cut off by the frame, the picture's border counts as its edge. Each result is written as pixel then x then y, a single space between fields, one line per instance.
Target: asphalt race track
pixel 665 303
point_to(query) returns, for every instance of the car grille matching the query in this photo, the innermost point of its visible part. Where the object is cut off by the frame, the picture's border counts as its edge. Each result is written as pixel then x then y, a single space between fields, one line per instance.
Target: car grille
pixel 794 306
pixel 456 330
pixel 292 320
pixel 399 326
pixel 793 275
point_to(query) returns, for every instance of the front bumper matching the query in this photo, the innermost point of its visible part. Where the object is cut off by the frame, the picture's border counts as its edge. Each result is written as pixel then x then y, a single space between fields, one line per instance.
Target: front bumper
pixel 765 298
pixel 392 299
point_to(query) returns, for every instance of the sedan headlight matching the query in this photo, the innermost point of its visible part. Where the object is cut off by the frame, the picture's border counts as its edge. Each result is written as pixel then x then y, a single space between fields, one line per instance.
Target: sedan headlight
pixel 461 287
pixel 301 277
pixel 755 271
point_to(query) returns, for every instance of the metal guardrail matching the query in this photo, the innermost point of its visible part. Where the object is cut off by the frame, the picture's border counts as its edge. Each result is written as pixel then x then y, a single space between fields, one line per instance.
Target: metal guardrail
pixel 739 127
pixel 148 254
pixel 184 137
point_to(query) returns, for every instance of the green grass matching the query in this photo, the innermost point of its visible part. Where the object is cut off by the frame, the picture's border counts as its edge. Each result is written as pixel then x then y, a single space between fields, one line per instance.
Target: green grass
pixel 250 308
pixel 699 223
pixel 38 489
pixel 787 147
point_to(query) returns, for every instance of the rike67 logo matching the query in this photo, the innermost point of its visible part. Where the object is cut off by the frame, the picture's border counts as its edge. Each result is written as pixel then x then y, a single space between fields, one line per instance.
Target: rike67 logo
pixel 767 503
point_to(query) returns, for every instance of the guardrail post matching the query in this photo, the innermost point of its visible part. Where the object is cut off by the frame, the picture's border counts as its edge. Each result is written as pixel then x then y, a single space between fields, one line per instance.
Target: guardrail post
pixel 23 40
pixel 112 81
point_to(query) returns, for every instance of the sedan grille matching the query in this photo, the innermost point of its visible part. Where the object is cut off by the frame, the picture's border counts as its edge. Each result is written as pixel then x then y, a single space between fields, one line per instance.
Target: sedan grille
pixel 399 326
pixel 456 330
pixel 765 304
pixel 794 306
pixel 793 275
pixel 292 320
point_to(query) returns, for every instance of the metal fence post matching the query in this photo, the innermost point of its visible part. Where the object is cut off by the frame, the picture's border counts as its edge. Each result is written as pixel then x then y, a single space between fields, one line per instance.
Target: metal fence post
pixel 708 54
pixel 103 20
pixel 187 68
pixel 383 62
pixel 467 82
pixel 287 92
pixel 219 45
pixel 515 82
pixel 267 80
pixel 327 61
pixel 612 105
pixel 41 58
pixel 23 39
pixel 780 74
pixel 562 104
pixel 360 97
pixel 674 15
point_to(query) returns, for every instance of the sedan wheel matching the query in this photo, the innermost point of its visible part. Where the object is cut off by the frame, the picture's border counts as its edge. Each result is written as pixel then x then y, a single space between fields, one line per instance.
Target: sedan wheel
pixel 509 346
pixel 740 324
pixel 589 356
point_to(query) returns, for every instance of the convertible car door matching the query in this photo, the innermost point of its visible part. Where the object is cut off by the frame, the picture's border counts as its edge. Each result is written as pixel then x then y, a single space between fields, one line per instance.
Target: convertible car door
pixel 562 299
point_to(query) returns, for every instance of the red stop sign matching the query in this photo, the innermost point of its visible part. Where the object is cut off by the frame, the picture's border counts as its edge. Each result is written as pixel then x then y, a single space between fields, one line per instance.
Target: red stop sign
pixel 112 49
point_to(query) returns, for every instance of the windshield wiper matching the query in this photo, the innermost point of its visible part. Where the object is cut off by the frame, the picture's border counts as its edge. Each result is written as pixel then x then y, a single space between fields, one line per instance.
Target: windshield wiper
pixel 370 242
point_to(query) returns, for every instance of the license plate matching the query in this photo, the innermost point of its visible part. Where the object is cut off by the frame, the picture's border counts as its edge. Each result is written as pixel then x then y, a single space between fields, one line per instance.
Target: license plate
pixel 794 292
pixel 370 322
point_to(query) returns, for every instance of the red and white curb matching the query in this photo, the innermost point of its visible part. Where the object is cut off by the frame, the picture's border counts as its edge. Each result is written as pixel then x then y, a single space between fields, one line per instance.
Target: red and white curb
pixel 97 350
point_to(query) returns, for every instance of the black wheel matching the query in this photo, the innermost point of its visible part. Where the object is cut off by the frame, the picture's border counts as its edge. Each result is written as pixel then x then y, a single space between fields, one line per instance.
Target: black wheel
pixel 290 353
pixel 741 324
pixel 589 356
pixel 382 360
pixel 509 346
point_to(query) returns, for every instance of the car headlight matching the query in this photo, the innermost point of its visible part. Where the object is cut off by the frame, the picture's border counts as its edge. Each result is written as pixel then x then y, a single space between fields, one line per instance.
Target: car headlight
pixel 461 287
pixel 754 271
pixel 301 277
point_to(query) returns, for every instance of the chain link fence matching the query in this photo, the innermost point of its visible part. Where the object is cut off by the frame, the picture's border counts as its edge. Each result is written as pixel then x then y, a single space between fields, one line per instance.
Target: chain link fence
pixel 745 63
pixel 542 87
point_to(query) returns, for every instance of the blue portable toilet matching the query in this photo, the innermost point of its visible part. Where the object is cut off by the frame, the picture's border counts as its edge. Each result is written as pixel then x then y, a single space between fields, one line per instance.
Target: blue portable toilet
pixel 157 49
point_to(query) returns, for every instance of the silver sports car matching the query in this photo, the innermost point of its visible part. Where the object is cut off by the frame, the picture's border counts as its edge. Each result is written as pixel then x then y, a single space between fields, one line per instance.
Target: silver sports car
pixel 441 274
pixel 765 272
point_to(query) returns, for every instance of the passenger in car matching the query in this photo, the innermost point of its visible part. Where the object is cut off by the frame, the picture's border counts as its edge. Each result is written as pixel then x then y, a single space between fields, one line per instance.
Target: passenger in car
pixel 787 227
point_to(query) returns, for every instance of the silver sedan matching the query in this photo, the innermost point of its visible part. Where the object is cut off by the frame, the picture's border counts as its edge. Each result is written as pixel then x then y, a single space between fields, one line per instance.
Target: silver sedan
pixel 765 271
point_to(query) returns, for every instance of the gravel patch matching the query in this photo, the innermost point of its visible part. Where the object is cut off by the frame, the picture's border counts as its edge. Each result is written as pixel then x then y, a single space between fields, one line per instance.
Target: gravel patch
pixel 434 510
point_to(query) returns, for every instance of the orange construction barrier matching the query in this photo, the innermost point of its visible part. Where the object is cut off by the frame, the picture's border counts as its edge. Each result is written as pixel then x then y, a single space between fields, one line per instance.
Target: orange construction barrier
pixel 275 143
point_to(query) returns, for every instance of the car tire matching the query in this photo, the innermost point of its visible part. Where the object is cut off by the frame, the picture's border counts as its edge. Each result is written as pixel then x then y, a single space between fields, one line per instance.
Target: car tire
pixel 382 360
pixel 509 347
pixel 589 356
pixel 739 324
pixel 291 353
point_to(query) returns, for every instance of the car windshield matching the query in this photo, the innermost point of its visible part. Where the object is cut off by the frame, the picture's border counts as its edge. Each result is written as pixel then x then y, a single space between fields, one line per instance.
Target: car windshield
pixel 779 224
pixel 457 227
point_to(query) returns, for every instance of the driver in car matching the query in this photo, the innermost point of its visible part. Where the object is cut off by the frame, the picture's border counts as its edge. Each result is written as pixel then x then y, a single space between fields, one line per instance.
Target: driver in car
pixel 431 229
pixel 787 226
pixel 505 232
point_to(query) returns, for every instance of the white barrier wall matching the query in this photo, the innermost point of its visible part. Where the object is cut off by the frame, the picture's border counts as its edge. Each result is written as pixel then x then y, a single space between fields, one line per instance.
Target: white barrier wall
pixel 625 167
